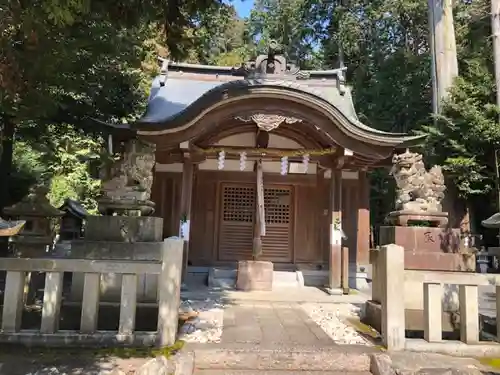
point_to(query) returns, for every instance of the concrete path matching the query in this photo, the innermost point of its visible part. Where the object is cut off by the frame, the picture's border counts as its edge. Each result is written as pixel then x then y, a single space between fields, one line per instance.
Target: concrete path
pixel 271 325
pixel 268 332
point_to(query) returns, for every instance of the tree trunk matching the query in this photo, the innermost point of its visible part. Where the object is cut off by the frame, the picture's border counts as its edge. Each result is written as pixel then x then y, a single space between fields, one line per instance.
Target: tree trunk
pixel 6 160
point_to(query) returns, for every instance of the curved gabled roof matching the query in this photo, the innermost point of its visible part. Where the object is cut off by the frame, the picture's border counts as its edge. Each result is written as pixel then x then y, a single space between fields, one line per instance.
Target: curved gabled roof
pixel 175 104
pixel 187 100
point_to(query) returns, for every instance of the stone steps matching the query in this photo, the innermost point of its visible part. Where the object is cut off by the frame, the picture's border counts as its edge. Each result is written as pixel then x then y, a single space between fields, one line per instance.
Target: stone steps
pixel 240 357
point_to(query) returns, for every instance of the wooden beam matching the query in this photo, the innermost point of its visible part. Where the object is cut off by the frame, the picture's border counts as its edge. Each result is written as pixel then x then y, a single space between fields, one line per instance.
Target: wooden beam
pixel 260 216
pixel 363 218
pixel 185 205
pixel 336 221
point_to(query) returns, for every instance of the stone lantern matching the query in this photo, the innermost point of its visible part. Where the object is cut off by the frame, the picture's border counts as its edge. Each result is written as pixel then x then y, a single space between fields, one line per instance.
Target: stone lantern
pixel 37 235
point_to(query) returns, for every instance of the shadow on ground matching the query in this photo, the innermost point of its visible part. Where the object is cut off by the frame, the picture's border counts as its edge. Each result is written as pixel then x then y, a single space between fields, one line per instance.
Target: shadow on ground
pixel 21 360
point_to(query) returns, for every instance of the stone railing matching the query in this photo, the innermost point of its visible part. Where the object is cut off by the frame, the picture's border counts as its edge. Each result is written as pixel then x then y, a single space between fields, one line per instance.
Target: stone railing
pixel 389 279
pixel 169 279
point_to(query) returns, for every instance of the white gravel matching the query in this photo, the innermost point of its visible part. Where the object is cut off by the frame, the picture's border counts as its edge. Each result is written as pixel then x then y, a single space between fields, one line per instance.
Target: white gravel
pixel 330 318
pixel 207 327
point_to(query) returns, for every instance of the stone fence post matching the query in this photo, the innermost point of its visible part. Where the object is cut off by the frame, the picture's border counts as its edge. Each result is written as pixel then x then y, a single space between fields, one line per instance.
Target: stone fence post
pixel 169 290
pixel 391 273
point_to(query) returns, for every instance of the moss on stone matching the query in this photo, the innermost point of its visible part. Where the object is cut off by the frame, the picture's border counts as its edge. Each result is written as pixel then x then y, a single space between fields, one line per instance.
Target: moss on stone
pixel 368 332
pixel 141 352
pixel 120 352
pixel 491 362
pixel 363 328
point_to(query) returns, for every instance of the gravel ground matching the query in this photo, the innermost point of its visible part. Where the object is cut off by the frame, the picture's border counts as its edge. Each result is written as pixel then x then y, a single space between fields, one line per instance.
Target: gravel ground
pixel 330 318
pixel 207 327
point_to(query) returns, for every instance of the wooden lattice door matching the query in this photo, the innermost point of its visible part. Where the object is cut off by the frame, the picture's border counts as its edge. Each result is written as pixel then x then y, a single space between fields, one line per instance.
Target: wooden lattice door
pixel 277 244
pixel 236 223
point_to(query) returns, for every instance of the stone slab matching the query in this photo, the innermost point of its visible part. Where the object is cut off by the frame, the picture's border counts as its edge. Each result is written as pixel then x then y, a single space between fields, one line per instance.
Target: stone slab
pixel 413 362
pixel 274 325
pixel 278 372
pixel 108 250
pixel 282 359
pixel 124 228
pixel 255 276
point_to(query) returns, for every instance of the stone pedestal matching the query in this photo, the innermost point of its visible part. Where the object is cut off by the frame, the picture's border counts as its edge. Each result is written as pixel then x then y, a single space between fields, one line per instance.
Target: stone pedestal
pixel 427 248
pixel 134 238
pixel 147 285
pixel 255 276
pixel 405 218
pixel 433 249
pixel 124 228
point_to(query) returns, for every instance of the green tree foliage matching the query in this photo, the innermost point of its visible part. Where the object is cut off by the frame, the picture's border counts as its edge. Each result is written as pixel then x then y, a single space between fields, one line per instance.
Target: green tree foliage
pixel 64 62
pixel 288 22
pixel 385 46
pixel 219 37
pixel 465 138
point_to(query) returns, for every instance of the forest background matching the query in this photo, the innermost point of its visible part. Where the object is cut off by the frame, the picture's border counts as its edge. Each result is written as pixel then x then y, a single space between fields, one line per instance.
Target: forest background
pixel 62 62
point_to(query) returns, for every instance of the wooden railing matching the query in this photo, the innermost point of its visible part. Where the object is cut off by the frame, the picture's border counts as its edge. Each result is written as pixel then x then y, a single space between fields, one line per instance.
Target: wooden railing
pixel 169 279
pixel 389 278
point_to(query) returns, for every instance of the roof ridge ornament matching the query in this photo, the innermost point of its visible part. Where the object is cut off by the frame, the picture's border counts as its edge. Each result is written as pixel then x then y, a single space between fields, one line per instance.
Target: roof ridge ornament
pixel 273 64
pixel 268 122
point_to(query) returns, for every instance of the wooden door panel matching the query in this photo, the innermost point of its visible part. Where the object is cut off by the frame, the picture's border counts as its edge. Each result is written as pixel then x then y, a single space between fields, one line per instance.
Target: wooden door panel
pixel 277 244
pixel 236 222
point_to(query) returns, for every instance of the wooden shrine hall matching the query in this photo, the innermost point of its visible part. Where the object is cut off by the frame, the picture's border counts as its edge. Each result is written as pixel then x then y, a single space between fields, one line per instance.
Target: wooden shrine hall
pixel 263 159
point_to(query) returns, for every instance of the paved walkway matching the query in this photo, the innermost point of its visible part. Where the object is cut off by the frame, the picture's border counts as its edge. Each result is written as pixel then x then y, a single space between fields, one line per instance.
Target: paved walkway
pixel 273 325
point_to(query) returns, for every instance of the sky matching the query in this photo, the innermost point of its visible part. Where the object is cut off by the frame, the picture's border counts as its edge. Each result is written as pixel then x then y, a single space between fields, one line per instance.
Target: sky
pixel 243 7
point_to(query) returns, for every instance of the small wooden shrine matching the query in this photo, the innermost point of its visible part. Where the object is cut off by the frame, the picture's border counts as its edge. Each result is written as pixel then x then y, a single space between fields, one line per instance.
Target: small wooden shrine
pixel 72 221
pixel 264 161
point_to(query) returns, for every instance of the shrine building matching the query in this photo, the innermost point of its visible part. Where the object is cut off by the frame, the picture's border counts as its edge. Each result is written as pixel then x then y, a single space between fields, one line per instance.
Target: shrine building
pixel 221 131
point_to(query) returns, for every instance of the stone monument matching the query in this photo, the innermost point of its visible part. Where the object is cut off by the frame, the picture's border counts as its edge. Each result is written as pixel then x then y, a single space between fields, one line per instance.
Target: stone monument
pixel 421 227
pixel 419 223
pixel 126 230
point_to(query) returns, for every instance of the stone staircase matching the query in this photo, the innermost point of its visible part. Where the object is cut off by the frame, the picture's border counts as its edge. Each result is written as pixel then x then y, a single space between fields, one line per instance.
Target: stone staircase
pixel 226 278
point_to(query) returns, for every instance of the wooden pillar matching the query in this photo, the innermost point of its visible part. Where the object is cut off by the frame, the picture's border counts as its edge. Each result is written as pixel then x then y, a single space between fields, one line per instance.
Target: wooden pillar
pixel 185 206
pixel 363 225
pixel 260 217
pixel 335 269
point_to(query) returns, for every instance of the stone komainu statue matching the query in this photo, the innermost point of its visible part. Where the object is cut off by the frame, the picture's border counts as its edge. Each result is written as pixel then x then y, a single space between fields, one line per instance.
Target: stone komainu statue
pixel 131 177
pixel 418 190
